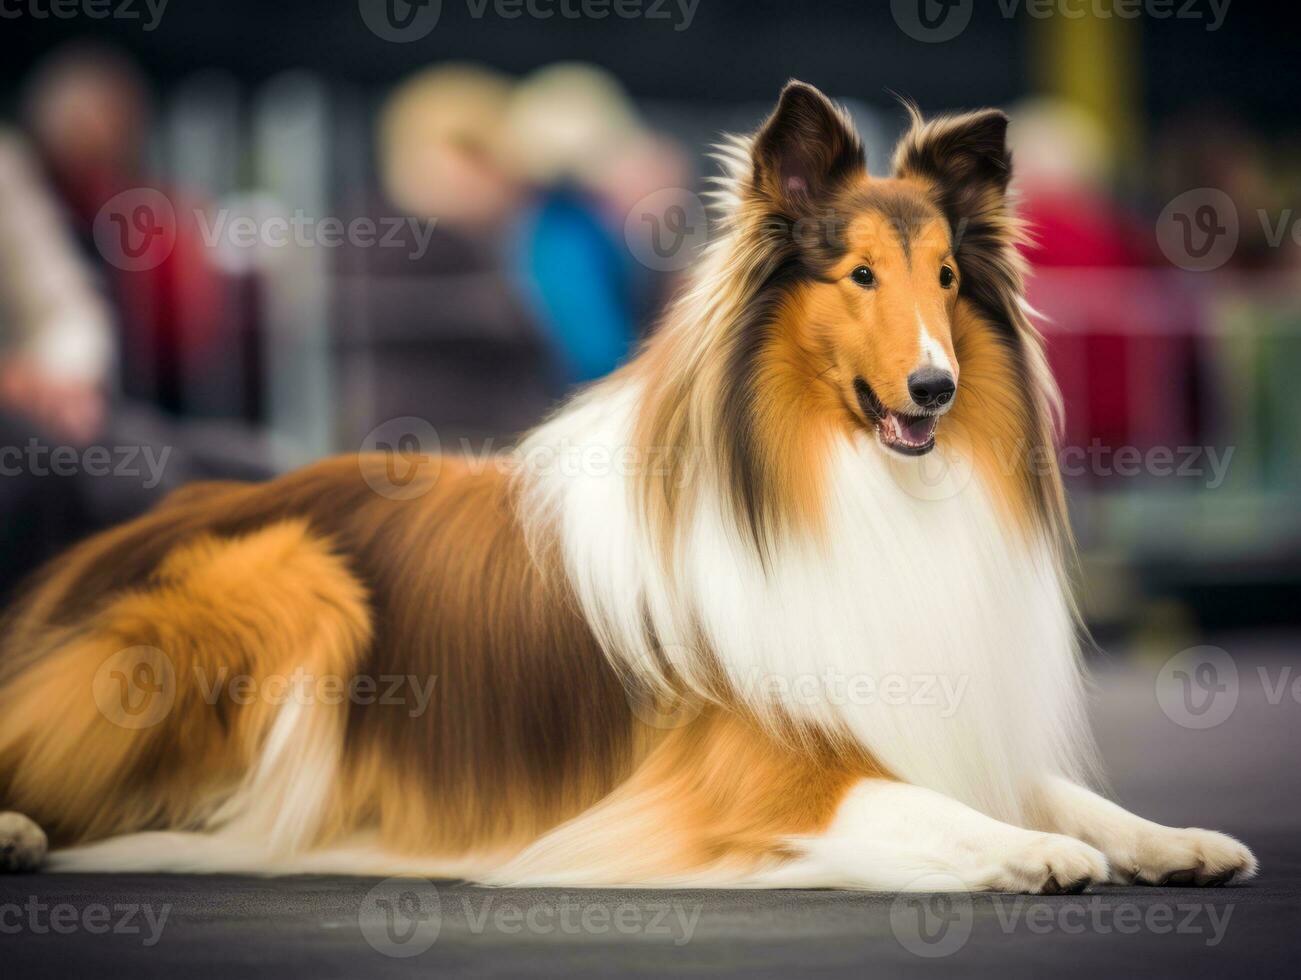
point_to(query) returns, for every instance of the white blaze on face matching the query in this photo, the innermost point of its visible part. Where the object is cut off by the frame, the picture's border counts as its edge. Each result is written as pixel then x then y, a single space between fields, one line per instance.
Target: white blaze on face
pixel 932 350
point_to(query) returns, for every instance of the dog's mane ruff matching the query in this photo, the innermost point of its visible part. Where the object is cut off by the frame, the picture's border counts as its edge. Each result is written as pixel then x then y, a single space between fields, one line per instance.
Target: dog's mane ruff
pixel 665 406
pixel 692 396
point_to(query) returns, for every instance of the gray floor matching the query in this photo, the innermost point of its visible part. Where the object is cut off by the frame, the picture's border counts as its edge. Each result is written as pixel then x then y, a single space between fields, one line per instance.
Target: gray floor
pixel 1239 776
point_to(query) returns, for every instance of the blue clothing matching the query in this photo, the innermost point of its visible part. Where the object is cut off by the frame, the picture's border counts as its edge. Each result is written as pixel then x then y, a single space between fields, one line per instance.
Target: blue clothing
pixel 579 283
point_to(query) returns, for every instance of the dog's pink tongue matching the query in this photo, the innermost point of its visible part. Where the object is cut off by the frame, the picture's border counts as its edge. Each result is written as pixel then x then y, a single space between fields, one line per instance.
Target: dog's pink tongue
pixel 918 431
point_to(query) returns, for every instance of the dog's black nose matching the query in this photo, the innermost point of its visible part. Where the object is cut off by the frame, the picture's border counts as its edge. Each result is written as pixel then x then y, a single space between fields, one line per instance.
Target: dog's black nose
pixel 931 387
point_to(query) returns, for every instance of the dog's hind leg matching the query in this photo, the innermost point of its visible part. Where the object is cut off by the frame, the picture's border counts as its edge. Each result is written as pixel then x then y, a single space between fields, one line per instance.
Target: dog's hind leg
pixel 22 843
pixel 182 705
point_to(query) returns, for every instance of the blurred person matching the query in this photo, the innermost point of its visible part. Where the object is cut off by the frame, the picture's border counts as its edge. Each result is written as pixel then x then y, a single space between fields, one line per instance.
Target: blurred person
pixel 79 448
pixel 440 139
pixel 1109 327
pixel 525 287
pixel 55 355
pixel 56 343
pixel 578 143
pixel 1254 321
pixel 1063 177
pixel 89 113
pixel 440 332
pixel 1211 148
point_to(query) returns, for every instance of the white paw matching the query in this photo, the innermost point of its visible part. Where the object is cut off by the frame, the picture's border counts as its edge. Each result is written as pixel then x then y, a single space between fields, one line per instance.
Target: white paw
pixel 1047 864
pixel 22 843
pixel 1170 856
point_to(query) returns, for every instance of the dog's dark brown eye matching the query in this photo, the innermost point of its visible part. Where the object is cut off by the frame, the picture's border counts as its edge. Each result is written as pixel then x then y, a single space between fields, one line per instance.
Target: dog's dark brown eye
pixel 863 276
pixel 946 277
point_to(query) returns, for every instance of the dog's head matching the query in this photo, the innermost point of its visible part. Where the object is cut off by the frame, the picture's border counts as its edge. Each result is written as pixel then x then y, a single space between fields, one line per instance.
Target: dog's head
pixel 871 270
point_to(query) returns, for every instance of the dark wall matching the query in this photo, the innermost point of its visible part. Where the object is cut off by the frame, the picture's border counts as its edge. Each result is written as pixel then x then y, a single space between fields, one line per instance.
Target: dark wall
pixel 734 50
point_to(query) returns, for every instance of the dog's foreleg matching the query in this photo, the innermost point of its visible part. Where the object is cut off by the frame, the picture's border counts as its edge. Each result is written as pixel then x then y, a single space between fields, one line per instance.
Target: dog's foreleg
pixel 1139 850
pixel 889 836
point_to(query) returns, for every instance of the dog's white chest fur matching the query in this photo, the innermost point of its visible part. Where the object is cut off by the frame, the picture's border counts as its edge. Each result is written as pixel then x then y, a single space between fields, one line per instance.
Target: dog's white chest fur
pixel 922 624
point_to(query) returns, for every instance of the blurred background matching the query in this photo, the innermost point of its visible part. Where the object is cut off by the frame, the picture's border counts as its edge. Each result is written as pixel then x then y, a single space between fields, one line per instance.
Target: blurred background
pixel 236 236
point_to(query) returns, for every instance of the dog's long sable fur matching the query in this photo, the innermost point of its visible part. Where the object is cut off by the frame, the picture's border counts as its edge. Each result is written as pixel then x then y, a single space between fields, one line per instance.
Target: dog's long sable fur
pixel 781 603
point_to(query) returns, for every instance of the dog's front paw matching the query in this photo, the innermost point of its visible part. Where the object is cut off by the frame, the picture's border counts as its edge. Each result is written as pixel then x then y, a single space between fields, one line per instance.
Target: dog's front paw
pixel 1170 856
pixel 1049 864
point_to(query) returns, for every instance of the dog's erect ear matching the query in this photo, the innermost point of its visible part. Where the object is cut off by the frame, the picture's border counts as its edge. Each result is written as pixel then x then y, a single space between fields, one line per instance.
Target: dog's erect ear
pixel 806 149
pixel 966 160
pixel 966 163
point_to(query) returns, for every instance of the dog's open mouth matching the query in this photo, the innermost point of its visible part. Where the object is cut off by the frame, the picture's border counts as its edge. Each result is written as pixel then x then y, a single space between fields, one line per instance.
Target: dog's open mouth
pixel 911 435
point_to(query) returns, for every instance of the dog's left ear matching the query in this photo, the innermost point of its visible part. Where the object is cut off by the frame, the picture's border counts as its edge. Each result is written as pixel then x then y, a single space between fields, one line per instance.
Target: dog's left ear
pixel 965 159
pixel 805 150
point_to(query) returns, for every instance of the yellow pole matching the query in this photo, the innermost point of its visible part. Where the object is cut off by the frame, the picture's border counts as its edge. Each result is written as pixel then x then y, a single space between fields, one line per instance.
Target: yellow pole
pixel 1089 55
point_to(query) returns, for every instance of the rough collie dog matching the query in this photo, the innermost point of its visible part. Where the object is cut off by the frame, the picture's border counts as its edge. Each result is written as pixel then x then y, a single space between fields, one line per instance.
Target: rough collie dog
pixel 780 604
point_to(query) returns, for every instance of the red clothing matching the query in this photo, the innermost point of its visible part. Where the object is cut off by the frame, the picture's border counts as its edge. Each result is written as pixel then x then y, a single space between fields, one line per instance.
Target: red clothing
pixel 1118 333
